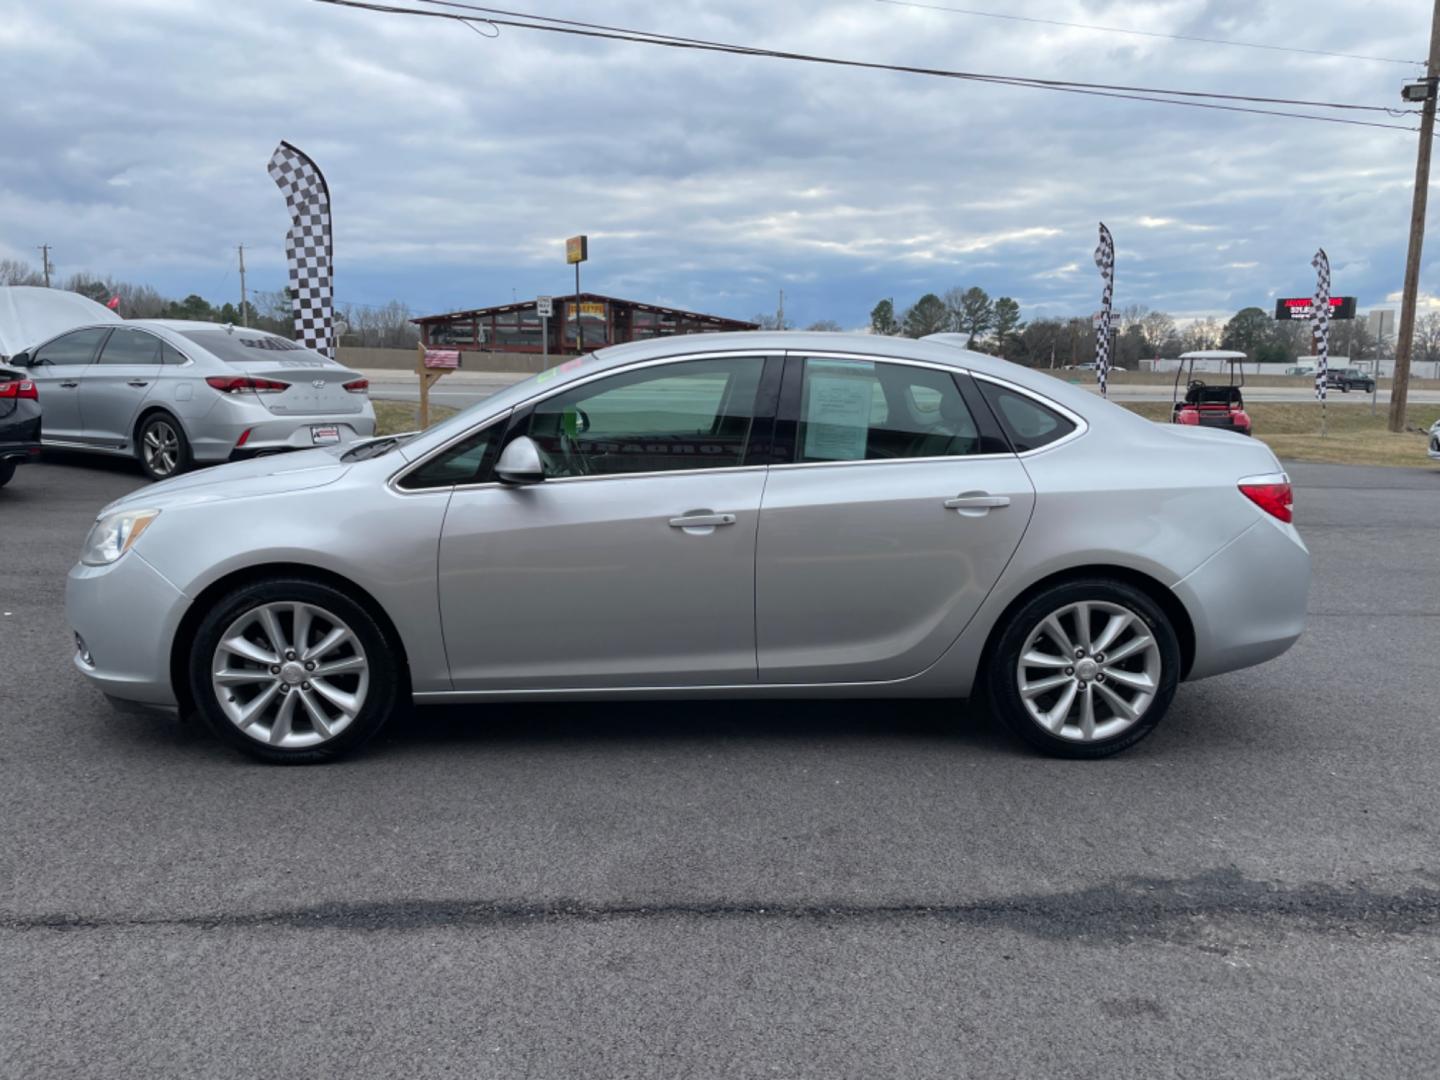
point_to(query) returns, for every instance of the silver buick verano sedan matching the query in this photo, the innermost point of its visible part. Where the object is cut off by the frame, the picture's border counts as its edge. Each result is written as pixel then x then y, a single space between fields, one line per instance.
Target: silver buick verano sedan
pixel 731 515
pixel 173 394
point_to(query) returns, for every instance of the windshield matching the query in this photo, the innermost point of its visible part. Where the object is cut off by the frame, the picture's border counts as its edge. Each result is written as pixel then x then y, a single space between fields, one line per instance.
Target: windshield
pixel 237 346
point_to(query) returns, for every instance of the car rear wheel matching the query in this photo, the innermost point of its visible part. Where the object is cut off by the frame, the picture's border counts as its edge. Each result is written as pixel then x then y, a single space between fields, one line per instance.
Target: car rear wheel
pixel 7 472
pixel 162 447
pixel 293 672
pixel 1085 669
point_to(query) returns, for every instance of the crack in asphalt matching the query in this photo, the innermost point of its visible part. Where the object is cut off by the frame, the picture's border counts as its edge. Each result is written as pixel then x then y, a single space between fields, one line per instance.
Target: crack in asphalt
pixel 1131 909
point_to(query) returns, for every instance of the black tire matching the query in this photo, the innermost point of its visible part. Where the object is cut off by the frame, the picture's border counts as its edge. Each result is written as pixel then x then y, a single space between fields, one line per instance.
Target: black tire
pixel 161 426
pixel 387 678
pixel 1003 670
pixel 7 472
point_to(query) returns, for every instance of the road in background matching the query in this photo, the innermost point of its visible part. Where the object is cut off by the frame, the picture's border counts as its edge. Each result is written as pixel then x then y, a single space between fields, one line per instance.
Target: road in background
pixel 806 889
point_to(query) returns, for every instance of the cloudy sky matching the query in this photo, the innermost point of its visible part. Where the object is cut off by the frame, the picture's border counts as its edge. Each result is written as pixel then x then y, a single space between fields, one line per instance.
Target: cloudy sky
pixel 138 132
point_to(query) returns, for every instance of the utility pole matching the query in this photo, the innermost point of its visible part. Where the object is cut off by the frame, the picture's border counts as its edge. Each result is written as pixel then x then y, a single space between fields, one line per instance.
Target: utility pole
pixel 45 262
pixel 780 311
pixel 1405 336
pixel 244 302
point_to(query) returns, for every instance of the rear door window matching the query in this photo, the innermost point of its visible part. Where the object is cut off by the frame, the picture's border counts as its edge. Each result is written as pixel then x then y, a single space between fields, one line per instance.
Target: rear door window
pixel 864 410
pixel 127 346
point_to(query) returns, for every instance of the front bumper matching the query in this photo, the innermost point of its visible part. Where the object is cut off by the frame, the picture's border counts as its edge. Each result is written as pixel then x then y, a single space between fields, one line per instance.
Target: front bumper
pixel 127 614
pixel 1247 601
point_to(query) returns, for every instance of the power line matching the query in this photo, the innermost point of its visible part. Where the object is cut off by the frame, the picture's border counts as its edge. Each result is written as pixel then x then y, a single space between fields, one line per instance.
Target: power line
pixel 496 18
pixel 658 38
pixel 1150 33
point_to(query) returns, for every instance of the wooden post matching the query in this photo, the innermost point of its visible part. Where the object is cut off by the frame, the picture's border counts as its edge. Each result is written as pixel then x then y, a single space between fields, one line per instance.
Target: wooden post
pixel 427 379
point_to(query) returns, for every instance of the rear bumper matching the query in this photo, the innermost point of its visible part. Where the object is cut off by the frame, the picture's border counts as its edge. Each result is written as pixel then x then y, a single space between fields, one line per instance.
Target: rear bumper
pixel 216 437
pixel 1247 602
pixel 19 452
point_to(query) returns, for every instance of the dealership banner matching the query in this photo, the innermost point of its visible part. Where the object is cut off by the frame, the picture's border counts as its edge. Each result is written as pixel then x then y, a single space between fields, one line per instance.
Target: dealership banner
pixel 307 247
pixel 1105 260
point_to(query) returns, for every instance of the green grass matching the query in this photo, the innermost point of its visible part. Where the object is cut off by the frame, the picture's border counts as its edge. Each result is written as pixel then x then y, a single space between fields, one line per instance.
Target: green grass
pixel 393 417
pixel 1352 436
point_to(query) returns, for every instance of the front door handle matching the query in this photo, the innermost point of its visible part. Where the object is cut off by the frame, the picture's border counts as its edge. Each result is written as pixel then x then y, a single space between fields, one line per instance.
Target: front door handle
pixel 976 503
pixel 69 385
pixel 138 382
pixel 701 521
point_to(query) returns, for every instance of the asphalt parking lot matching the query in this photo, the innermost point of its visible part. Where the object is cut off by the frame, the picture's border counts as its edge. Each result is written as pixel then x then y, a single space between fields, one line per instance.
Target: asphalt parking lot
pixel 798 890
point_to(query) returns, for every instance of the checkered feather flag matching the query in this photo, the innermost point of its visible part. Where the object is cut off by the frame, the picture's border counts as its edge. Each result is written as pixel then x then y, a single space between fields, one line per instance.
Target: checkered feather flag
pixel 307 246
pixel 1105 260
pixel 1320 313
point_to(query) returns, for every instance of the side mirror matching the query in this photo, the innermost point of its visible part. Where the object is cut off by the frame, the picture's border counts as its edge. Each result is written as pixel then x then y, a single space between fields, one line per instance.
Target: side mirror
pixel 520 462
pixel 20 359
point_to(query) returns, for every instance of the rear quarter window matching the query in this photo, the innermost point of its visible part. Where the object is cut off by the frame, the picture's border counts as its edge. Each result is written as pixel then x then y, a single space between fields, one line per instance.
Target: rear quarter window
pixel 1028 424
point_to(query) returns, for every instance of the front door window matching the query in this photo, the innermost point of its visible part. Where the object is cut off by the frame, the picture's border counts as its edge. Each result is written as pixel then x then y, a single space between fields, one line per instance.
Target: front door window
pixel 694 414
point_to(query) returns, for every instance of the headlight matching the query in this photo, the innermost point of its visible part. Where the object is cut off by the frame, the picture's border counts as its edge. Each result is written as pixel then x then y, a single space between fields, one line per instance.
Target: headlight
pixel 114 534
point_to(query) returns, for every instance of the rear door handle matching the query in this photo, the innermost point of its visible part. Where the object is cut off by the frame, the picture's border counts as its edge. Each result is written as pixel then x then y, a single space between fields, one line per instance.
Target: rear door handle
pixel 138 382
pixel 701 521
pixel 977 500
pixel 70 385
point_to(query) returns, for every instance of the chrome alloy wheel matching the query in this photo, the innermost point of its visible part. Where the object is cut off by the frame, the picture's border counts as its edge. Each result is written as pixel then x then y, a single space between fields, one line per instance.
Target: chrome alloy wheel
pixel 161 448
pixel 1089 671
pixel 290 674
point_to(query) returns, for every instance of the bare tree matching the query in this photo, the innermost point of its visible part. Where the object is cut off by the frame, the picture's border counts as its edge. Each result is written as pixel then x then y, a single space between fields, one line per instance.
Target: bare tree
pixel 1201 334
pixel 18 272
pixel 828 326
pixel 1427 337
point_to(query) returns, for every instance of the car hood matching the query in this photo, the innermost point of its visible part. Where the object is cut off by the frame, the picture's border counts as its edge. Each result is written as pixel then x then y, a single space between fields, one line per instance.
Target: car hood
pixel 271 475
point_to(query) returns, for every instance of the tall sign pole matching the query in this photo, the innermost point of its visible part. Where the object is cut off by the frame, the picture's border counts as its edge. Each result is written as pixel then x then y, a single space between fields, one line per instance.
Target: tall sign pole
pixel 1405 337
pixel 244 302
pixel 577 250
pixel 1321 329
pixel 1105 260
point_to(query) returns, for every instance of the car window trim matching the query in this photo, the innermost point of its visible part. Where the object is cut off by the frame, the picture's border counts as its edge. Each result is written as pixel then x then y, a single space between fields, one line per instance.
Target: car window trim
pixel 789 418
pixel 518 412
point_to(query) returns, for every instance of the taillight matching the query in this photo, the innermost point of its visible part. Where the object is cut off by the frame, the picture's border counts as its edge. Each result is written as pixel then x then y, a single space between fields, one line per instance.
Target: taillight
pixel 22 388
pixel 358 386
pixel 1276 499
pixel 239 384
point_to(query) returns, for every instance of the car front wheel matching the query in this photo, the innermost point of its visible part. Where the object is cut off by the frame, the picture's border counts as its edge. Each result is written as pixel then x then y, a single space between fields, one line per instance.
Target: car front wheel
pixel 293 672
pixel 1085 668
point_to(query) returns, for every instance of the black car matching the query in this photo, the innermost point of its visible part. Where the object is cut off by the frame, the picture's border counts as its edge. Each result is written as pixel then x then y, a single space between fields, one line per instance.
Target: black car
pixel 1349 378
pixel 19 421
